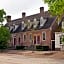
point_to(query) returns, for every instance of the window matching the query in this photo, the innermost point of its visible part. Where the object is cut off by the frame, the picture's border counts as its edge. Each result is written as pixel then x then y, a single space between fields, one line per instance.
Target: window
pixel 22 25
pixel 19 40
pixel 44 36
pixel 14 41
pixel 42 21
pixel 24 37
pixel 30 37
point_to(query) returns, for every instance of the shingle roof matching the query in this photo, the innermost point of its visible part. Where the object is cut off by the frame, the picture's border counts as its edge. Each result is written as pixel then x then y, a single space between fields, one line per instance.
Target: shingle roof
pixel 31 17
pixel 47 24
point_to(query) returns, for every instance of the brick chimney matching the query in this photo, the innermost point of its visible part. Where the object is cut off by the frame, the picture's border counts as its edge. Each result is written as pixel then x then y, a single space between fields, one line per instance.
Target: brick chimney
pixel 41 9
pixel 23 14
pixel 8 18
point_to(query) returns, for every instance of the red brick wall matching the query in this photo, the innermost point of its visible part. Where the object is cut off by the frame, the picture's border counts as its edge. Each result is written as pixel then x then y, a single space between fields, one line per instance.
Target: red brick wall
pixel 34 33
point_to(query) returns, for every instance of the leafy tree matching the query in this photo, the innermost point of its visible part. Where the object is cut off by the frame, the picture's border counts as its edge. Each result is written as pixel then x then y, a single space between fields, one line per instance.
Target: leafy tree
pixel 4 32
pixel 56 7
pixel 2 16
pixel 4 37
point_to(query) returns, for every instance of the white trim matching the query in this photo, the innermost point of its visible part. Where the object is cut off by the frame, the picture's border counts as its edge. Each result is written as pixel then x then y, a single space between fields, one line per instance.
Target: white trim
pixel 42 36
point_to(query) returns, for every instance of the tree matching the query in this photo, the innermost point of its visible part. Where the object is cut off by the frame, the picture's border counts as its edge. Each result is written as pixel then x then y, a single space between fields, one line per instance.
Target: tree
pixel 2 16
pixel 56 7
pixel 4 32
pixel 4 37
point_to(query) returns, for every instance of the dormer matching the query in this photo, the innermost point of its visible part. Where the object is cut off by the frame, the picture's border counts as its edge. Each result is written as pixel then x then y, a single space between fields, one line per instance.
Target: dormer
pixel 29 24
pixel 11 27
pixel 42 21
pixel 23 25
pixel 35 23
pixel 15 27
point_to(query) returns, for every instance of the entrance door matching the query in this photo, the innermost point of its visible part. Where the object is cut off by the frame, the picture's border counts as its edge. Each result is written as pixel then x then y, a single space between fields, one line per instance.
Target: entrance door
pixel 53 45
pixel 38 39
pixel 14 42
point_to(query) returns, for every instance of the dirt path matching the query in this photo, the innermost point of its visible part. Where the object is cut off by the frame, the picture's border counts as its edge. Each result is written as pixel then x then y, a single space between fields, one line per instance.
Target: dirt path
pixel 20 59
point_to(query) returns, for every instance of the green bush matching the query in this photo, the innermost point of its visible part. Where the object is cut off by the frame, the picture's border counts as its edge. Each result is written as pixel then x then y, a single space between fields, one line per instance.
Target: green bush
pixel 45 48
pixel 42 48
pixel 20 47
pixel 3 47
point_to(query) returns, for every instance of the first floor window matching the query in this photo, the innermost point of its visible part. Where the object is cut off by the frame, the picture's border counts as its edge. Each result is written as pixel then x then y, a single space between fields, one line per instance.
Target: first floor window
pixel 19 40
pixel 14 41
pixel 30 36
pixel 24 37
pixel 43 35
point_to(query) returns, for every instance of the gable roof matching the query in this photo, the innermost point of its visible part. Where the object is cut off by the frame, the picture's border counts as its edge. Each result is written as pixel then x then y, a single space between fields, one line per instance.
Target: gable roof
pixel 47 24
pixel 31 17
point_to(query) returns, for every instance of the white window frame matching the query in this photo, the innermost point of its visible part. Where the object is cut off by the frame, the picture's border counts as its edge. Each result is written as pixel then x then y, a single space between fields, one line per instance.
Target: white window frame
pixel 42 36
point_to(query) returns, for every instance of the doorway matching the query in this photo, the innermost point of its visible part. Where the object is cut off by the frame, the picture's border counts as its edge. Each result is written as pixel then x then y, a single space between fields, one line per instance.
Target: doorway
pixel 53 45
pixel 37 39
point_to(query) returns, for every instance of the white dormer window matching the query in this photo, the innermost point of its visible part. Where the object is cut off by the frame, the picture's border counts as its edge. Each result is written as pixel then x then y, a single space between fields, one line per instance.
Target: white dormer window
pixel 28 21
pixel 11 27
pixel 14 27
pixel 35 20
pixel 29 24
pixel 42 21
pixel 35 23
pixel 22 25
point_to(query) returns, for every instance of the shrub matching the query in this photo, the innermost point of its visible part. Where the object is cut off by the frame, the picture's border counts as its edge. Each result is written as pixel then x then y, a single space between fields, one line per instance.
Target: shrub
pixel 20 47
pixel 45 48
pixel 42 48
pixel 39 48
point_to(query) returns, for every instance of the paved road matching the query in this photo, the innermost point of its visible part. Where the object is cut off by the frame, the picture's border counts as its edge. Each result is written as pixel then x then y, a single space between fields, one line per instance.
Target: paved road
pixel 19 59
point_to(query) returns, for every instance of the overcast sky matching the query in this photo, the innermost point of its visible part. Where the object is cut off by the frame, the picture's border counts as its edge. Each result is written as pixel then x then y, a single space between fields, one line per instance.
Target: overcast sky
pixel 16 7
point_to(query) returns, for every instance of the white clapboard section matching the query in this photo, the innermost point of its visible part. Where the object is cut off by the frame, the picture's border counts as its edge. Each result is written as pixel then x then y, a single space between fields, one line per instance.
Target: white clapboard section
pixel 35 22
pixel 15 27
pixel 42 21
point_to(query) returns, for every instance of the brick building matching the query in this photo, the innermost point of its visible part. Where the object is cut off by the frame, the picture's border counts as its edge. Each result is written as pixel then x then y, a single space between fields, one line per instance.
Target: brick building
pixel 37 29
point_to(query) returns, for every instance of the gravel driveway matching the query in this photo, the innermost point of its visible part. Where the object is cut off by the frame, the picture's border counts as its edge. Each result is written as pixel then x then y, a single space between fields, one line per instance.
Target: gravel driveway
pixel 20 59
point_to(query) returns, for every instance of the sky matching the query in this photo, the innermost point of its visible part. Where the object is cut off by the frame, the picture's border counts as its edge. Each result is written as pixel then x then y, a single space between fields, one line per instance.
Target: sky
pixel 16 7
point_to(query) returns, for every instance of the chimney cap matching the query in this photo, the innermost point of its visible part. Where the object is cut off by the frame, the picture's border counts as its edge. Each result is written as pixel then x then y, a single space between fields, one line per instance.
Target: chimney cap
pixel 23 14
pixel 8 16
pixel 41 9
